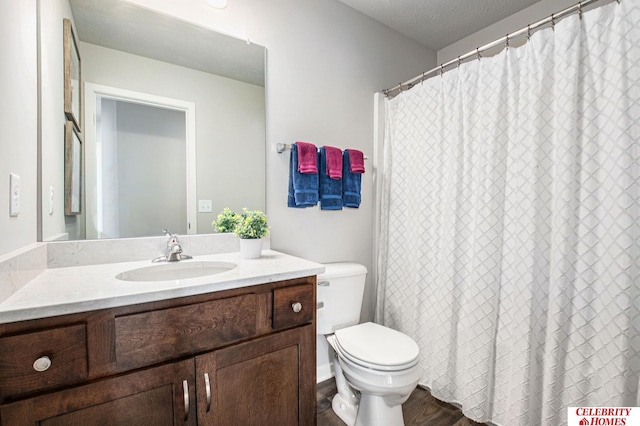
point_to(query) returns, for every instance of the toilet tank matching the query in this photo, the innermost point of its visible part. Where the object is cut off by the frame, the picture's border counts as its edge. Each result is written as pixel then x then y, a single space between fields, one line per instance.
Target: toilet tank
pixel 339 294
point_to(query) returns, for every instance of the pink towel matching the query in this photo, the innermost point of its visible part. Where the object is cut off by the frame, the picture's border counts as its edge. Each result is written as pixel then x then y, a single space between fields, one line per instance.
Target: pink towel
pixel 307 158
pixel 334 162
pixel 356 158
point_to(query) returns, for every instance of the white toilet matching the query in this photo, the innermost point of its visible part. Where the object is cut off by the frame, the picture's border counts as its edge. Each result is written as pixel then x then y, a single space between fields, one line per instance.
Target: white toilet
pixel 376 368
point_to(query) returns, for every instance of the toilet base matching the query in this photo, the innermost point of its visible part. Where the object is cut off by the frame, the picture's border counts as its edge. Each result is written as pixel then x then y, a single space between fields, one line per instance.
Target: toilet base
pixel 373 410
pixel 347 412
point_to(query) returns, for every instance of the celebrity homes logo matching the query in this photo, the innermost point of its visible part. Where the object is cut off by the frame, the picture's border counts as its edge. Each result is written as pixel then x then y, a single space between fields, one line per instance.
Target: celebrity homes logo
pixel 603 416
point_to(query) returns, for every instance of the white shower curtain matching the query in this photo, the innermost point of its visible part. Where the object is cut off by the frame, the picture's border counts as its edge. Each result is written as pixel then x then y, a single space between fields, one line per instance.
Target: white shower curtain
pixel 510 244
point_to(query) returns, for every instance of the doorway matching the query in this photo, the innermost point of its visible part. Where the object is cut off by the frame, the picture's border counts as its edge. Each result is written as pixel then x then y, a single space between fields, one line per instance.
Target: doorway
pixel 140 164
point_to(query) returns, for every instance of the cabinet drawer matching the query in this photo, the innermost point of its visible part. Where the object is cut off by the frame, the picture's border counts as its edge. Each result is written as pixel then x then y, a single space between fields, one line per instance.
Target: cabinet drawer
pixel 285 302
pixel 151 337
pixel 65 347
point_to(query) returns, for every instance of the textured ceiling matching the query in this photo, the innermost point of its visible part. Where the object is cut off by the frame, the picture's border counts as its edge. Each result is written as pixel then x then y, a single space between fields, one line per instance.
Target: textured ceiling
pixel 438 23
pixel 122 26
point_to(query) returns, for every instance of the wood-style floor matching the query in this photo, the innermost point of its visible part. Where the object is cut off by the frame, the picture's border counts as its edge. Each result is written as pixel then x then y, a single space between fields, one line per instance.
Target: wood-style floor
pixel 421 409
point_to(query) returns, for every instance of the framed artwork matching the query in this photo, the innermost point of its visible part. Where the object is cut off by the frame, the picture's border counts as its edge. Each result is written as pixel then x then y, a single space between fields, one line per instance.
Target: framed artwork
pixel 72 170
pixel 72 77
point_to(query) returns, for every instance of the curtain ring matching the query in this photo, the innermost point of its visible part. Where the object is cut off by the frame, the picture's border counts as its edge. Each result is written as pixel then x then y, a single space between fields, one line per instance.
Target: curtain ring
pixel 478 56
pixel 580 10
pixel 506 42
pixel 528 32
pixel 458 61
pixel 422 79
pixel 553 22
pixel 441 69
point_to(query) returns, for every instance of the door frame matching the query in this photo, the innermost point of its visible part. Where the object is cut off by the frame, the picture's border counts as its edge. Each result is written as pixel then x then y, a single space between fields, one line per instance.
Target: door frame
pixel 91 93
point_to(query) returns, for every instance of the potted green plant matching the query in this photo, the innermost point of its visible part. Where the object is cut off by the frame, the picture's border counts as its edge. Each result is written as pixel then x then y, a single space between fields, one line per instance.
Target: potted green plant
pixel 226 221
pixel 251 227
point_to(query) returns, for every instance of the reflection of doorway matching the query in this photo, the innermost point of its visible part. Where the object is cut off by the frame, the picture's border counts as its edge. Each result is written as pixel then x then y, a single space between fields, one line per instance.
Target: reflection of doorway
pixel 140 160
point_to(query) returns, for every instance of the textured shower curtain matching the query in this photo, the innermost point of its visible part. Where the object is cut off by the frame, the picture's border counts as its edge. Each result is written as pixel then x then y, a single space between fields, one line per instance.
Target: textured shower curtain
pixel 510 242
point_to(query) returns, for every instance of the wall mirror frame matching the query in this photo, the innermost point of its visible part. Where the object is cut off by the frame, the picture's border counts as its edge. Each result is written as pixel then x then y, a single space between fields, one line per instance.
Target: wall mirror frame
pixel 223 76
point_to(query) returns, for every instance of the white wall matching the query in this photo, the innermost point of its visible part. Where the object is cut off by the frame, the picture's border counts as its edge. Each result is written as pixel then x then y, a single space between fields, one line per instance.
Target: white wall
pixel 324 63
pixel 512 23
pixel 18 121
pixel 52 12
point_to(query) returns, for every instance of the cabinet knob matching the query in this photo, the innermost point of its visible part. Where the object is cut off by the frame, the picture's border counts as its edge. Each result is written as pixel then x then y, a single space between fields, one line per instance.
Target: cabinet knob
pixel 42 364
pixel 297 307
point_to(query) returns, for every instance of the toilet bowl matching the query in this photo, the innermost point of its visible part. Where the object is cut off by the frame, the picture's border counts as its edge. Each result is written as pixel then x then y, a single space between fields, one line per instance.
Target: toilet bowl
pixel 382 365
pixel 376 368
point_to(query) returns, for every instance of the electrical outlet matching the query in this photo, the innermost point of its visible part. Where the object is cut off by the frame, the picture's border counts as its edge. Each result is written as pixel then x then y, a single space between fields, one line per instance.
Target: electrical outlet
pixel 205 206
pixel 14 194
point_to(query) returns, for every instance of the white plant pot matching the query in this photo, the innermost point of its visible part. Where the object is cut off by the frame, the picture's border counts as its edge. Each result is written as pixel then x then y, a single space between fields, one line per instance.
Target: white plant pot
pixel 250 248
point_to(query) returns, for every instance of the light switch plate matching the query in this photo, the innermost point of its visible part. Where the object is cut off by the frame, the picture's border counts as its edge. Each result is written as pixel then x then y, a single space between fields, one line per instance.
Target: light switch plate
pixel 14 194
pixel 205 206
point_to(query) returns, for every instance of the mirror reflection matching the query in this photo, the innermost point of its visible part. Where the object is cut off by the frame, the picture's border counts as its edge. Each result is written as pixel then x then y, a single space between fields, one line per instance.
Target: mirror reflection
pixel 185 131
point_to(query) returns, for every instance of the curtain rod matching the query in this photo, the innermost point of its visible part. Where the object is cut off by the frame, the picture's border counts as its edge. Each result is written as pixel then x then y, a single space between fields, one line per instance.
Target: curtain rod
pixel 578 7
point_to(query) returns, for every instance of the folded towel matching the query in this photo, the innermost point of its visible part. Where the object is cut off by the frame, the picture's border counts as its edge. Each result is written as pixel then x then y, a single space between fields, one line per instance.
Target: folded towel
pixel 334 162
pixel 303 188
pixel 356 159
pixel 307 157
pixel 330 188
pixel 351 184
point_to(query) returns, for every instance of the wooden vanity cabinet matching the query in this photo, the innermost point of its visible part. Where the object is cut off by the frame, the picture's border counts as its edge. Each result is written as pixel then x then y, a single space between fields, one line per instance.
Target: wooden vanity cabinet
pixel 237 357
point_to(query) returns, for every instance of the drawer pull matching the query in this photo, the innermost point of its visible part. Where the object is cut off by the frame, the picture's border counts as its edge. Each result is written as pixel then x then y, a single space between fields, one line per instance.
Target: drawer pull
pixel 207 386
pixel 185 392
pixel 297 307
pixel 42 364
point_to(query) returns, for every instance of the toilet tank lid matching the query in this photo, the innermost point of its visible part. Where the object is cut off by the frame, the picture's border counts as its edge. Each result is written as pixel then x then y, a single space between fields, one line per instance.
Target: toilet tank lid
pixel 341 269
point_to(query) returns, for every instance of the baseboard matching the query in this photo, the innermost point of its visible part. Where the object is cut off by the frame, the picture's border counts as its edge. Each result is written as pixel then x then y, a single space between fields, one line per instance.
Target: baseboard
pixel 324 372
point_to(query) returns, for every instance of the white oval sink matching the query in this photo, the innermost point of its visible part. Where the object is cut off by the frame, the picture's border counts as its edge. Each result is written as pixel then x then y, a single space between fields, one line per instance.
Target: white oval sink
pixel 176 271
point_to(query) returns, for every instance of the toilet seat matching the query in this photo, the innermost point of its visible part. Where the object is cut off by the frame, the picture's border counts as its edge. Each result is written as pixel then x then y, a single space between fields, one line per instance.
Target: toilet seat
pixel 376 347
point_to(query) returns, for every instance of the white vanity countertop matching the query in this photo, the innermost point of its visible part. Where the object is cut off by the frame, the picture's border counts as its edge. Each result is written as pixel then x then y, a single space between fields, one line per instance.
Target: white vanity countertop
pixel 61 291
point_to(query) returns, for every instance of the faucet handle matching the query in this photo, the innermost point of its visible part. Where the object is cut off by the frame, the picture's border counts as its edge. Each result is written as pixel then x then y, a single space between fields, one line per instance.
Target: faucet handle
pixel 173 238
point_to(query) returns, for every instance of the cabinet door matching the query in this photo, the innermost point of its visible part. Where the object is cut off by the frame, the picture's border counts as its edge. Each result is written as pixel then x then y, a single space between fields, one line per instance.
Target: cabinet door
pixel 268 381
pixel 155 397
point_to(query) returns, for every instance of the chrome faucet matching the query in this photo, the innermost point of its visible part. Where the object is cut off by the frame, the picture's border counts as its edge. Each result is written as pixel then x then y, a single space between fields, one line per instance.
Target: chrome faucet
pixel 173 251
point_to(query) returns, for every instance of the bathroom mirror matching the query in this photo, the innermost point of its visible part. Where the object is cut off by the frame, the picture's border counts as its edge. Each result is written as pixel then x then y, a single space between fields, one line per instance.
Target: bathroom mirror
pixel 130 49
